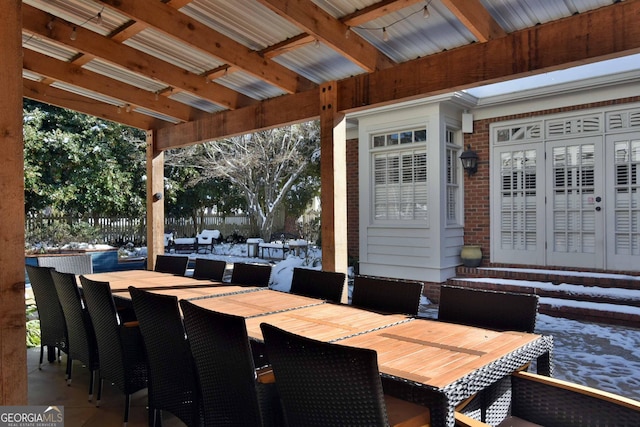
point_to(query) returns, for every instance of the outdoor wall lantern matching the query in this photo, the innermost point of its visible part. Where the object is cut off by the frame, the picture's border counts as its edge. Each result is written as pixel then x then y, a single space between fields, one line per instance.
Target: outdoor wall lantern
pixel 157 197
pixel 469 159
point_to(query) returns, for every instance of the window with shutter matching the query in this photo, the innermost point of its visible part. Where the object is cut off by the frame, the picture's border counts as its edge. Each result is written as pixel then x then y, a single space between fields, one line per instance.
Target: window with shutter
pixel 400 175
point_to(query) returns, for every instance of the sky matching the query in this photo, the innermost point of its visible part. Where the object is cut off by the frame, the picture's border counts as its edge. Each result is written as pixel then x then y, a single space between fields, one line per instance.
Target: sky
pixel 613 66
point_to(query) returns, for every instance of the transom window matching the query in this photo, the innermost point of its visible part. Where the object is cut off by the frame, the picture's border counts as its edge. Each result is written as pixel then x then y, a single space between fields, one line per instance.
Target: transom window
pixel 398 138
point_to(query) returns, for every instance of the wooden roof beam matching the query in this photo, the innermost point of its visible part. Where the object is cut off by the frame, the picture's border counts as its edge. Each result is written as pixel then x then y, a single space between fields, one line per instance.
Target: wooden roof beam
pixel 61 98
pixel 176 24
pixel 315 21
pixel 90 43
pixel 476 18
pixel 77 76
pixel 547 47
pixel 279 111
pixel 376 10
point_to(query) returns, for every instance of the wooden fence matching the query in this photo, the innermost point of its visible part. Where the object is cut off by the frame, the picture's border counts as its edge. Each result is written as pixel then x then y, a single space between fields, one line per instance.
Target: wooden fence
pixel 119 231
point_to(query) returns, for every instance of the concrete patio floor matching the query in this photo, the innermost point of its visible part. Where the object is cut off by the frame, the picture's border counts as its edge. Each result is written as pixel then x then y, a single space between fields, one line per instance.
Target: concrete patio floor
pixel 48 387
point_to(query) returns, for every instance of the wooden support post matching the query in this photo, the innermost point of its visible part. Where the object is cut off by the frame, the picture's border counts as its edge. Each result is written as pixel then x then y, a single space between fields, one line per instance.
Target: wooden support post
pixel 13 351
pixel 155 201
pixel 333 175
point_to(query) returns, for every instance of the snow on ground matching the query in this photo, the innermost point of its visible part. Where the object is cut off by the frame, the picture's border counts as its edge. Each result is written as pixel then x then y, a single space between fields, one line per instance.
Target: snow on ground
pixel 597 355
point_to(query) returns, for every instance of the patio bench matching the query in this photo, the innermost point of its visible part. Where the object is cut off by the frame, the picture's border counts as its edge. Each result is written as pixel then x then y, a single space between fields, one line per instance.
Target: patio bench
pixel 284 242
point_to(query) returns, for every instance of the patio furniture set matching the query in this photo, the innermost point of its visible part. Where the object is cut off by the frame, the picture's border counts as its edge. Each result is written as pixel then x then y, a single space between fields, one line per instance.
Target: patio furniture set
pixel 233 357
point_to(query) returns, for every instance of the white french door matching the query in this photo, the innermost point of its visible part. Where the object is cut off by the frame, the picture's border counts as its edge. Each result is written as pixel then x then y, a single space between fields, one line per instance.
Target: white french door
pixel 566 191
pixel 575 200
pixel 623 201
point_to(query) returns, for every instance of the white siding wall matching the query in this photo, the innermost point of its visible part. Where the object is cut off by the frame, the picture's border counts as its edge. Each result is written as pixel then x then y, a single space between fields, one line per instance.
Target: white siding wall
pixel 419 250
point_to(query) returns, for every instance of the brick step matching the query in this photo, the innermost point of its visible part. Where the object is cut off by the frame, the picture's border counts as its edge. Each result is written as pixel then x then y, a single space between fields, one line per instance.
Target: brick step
pixel 608 295
pixel 581 302
pixel 586 278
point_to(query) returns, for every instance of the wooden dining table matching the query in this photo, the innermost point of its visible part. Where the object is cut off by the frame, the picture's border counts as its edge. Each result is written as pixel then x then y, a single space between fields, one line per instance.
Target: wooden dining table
pixel 456 361
pixel 253 304
pixel 149 280
pixel 325 322
pixel 433 363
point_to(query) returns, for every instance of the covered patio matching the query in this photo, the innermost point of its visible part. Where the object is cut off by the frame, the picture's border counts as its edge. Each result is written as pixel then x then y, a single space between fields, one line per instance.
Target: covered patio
pixel 188 71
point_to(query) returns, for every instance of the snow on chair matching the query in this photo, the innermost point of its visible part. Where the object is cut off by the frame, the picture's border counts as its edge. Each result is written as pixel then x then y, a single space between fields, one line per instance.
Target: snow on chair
pixel 206 240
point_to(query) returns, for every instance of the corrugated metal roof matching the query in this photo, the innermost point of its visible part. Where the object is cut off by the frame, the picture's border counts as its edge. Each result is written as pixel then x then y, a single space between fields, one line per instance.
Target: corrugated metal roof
pixel 513 15
pixel 196 102
pixel 245 21
pixel 122 74
pixel 173 51
pixel 319 63
pixel 255 26
pixel 47 47
pixel 82 13
pixel 155 114
pixel 89 94
pixel 249 85
pixel 410 35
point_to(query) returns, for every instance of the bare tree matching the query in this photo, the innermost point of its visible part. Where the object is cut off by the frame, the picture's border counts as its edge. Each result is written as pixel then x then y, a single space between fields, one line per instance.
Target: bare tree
pixel 264 165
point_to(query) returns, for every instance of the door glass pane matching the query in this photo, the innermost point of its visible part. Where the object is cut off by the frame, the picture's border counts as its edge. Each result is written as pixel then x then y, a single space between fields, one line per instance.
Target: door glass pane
pixel 626 194
pixel 518 200
pixel 573 198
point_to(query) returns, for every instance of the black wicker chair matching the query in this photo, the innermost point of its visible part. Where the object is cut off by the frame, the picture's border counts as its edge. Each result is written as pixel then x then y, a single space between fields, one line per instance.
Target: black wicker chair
pixel 211 269
pixel 540 400
pixel 53 329
pixel 173 385
pixel 251 274
pixel 82 339
pixel 172 264
pixel 324 384
pixel 386 295
pixel 75 263
pixel 502 311
pixel 231 395
pixel 120 346
pixel 326 285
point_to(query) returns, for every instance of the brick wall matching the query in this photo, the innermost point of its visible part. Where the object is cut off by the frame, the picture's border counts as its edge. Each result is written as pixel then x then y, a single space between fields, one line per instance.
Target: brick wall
pixel 353 202
pixel 476 187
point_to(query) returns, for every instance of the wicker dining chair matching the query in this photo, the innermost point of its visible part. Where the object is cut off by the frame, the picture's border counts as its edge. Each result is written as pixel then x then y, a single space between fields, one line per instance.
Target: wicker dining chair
pixel 539 400
pixel 498 310
pixel 387 295
pixel 120 346
pixel 53 329
pixel 172 264
pixel 327 285
pixel 325 384
pixel 75 263
pixel 211 269
pixel 82 340
pixel 173 385
pixel 247 274
pixel 231 394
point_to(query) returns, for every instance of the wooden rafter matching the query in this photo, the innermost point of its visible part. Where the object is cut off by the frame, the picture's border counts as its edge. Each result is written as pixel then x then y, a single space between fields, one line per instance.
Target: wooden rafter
pixel 176 24
pixel 88 42
pixel 75 75
pixel 61 98
pixel 571 41
pixel 476 18
pixel 376 10
pixel 324 27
